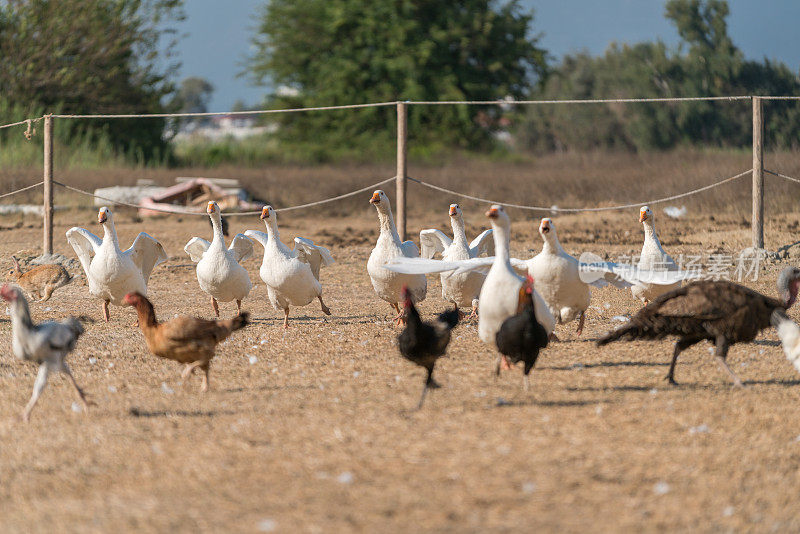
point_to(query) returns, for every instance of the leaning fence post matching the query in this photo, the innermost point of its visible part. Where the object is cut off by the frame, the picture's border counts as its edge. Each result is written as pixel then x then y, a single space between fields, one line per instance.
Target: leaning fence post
pixel 758 174
pixel 402 153
pixel 47 244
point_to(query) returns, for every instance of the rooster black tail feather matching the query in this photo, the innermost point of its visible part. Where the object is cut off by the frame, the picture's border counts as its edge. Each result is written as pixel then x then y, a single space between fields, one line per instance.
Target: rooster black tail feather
pixel 449 318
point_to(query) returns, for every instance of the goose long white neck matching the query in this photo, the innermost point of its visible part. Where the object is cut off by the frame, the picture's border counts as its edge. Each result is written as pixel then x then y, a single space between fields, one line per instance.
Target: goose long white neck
pixel 501 237
pixel 110 233
pixel 272 229
pixel 551 243
pixel 387 222
pixel 650 233
pixel 216 224
pixel 459 233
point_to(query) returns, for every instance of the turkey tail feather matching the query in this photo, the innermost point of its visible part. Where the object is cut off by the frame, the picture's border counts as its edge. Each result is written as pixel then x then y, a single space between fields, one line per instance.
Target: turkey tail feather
pixel 628 331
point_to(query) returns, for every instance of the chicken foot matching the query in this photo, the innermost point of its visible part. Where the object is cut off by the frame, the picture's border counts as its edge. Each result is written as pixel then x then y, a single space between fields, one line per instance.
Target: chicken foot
pixel 430 383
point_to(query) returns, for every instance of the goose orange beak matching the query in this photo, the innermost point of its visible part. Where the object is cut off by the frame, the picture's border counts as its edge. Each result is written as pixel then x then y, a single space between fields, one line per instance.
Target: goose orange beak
pixel 492 213
pixel 211 208
pixel 101 217
pixel 376 198
pixel 453 211
pixel 642 216
pixel 264 213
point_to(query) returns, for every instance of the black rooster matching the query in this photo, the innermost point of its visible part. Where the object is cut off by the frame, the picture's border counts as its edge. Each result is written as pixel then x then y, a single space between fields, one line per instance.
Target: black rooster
pixel 424 343
pixel 521 337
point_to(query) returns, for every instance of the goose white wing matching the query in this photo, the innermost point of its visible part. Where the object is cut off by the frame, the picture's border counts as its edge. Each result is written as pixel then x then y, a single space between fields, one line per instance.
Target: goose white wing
pixel 146 253
pixel 242 247
pixel 484 264
pixel 520 266
pixel 196 247
pixel 314 255
pixel 671 265
pixel 426 266
pixel 255 235
pixel 85 244
pixel 664 260
pixel 483 244
pixel 600 273
pixel 409 249
pixel 433 241
pixel 406 265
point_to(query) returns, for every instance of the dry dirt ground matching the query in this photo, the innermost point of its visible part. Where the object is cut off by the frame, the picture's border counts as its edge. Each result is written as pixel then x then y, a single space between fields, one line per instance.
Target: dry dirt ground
pixel 311 429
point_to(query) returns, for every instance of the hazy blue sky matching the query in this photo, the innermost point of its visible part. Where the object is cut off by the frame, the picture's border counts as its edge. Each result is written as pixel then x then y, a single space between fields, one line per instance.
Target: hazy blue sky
pixel 219 34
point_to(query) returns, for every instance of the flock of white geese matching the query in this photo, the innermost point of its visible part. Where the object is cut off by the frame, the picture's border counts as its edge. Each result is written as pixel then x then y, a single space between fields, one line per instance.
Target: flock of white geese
pixel 479 274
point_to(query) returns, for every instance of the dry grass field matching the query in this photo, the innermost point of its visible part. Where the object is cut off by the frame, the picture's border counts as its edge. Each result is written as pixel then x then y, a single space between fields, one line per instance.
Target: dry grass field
pixel 312 429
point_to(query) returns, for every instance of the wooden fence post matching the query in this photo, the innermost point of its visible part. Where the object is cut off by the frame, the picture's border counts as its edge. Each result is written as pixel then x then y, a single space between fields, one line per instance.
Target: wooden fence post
pixel 758 174
pixel 402 153
pixel 47 225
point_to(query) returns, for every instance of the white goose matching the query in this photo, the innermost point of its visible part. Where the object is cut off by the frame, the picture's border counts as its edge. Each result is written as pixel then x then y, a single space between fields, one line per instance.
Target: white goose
pixel 460 289
pixel 218 271
pixel 653 258
pixel 113 273
pixel 387 284
pixel 499 295
pixel 557 276
pixel 292 276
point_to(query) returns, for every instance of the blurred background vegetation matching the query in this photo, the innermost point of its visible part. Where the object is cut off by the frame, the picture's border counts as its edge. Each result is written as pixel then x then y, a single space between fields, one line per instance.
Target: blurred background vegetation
pixel 116 56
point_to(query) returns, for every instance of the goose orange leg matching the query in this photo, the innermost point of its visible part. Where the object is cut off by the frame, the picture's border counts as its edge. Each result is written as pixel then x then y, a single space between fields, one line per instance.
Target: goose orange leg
pixel 325 309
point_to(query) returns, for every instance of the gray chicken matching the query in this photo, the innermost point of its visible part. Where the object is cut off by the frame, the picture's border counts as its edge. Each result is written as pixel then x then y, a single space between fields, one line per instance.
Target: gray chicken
pixel 46 344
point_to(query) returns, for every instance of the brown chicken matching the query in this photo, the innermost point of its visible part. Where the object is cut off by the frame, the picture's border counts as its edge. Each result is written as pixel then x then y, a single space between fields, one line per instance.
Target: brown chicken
pixel 188 340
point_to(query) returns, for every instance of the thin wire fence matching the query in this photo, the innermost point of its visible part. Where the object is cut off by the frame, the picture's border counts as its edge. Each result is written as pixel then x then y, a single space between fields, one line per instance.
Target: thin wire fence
pixel 779 175
pixel 500 102
pixel 22 190
pixel 29 123
pixel 183 211
pixel 579 210
pixel 401 178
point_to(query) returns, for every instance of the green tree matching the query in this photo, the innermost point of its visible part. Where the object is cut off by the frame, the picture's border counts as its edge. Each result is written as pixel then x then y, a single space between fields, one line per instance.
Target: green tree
pixel 706 63
pixel 349 51
pixel 194 95
pixel 92 56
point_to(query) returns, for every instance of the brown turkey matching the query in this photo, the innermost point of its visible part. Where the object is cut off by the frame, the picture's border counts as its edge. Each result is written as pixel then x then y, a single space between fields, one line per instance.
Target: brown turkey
pixel 722 312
